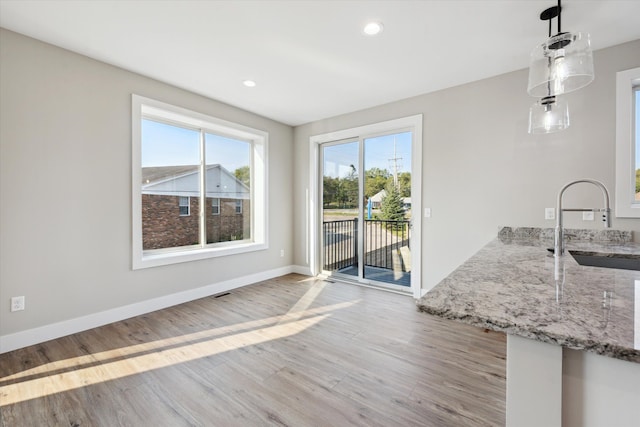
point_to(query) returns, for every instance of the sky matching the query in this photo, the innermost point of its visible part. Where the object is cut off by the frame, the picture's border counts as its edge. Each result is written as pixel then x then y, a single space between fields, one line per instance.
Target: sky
pixel 167 145
pixel 378 152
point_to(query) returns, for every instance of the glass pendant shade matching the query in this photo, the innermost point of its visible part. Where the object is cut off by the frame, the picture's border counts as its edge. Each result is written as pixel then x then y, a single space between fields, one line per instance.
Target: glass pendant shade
pixel 548 115
pixel 561 65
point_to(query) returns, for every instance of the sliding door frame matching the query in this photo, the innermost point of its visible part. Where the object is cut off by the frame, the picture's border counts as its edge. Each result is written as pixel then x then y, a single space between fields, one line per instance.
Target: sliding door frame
pixel 314 203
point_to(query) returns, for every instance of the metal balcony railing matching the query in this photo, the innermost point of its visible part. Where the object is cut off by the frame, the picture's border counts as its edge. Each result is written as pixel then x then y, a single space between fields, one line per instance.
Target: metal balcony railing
pixel 381 239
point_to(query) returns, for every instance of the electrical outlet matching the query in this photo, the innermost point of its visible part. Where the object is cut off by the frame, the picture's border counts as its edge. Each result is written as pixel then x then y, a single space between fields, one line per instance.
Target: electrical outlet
pixel 282 253
pixel 17 303
pixel 549 213
pixel 587 216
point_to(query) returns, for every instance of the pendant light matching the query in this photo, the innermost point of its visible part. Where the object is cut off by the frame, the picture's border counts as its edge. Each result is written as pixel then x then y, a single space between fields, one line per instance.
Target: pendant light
pixel 549 114
pixel 563 63
pixel 560 65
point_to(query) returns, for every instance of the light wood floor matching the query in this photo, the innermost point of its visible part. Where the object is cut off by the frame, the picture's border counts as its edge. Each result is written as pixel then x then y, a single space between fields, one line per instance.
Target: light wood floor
pixel 292 351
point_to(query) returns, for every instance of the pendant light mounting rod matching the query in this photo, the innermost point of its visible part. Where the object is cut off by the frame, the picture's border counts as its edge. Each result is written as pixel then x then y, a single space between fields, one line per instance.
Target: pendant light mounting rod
pixel 552 12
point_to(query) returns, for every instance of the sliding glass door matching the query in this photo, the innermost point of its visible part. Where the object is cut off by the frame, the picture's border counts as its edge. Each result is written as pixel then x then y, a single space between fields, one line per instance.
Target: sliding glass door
pixel 366 209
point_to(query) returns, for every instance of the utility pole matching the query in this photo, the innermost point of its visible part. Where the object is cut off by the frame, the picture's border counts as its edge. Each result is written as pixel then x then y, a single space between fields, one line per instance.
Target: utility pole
pixel 393 163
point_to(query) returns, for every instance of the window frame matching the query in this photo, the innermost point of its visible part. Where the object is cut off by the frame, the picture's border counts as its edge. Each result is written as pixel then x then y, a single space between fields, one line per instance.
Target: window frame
pixel 215 208
pixel 143 107
pixel 238 207
pixel 626 83
pixel 188 205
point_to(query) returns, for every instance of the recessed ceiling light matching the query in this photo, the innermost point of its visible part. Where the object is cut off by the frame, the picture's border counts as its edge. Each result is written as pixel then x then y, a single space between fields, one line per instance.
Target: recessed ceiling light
pixel 373 28
pixel 249 83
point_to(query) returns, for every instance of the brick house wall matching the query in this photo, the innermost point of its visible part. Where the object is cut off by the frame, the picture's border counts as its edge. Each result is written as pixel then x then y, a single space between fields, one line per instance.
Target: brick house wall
pixel 163 227
pixel 228 225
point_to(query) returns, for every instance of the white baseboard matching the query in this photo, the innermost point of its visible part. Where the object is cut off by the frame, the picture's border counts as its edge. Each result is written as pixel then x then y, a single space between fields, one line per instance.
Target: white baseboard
pixel 41 334
pixel 301 269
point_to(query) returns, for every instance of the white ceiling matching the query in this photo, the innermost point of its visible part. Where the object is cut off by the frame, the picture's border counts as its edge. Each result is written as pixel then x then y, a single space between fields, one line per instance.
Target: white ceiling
pixel 310 59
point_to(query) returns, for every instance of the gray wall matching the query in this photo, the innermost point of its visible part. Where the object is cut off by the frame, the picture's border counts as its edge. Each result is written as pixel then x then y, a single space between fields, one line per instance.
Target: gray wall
pixel 481 169
pixel 65 188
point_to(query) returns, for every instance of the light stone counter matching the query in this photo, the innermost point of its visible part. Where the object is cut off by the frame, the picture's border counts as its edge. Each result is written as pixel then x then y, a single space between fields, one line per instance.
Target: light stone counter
pixel 516 286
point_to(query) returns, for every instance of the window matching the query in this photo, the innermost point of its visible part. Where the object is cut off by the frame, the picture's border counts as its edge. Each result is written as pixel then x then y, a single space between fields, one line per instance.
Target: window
pixel 184 206
pixel 191 160
pixel 628 144
pixel 636 144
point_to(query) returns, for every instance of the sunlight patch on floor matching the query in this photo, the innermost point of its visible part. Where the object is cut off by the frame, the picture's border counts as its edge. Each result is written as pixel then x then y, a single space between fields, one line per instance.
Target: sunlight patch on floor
pixel 300 307
pixel 102 356
pixel 68 374
pixel 35 388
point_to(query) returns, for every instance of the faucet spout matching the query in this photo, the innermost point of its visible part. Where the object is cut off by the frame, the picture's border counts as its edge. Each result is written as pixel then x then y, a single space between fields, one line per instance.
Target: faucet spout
pixel 559 231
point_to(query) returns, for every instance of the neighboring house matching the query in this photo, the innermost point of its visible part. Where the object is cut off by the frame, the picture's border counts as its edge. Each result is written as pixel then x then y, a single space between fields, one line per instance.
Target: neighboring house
pixel 376 200
pixel 406 203
pixel 171 206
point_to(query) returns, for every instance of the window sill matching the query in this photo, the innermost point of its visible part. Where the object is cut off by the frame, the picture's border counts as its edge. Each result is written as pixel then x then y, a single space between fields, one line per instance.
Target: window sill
pixel 155 259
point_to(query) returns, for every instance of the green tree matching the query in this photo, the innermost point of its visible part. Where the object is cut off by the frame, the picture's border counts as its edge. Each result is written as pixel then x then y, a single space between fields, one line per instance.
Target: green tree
pixel 376 179
pixel 350 190
pixel 404 181
pixel 329 191
pixel 243 174
pixel 391 207
pixel 637 180
pixel 340 193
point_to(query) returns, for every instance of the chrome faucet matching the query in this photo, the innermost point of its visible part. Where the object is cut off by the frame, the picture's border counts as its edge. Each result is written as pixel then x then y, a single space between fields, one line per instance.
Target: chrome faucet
pixel 558 248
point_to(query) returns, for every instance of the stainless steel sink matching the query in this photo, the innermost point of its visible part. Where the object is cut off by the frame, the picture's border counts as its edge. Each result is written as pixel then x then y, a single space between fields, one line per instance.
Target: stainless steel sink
pixel 597 259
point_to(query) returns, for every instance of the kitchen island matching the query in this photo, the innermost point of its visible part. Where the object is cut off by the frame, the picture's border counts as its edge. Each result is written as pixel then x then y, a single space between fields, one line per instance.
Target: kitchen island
pixel 573 331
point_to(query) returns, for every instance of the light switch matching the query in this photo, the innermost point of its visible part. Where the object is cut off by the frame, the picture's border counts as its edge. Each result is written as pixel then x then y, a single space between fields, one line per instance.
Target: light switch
pixel 549 213
pixel 427 212
pixel 587 216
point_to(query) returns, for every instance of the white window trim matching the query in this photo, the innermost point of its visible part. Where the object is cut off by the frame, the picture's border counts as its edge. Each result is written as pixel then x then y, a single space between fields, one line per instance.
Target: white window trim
pixel 142 106
pixel 238 205
pixel 625 145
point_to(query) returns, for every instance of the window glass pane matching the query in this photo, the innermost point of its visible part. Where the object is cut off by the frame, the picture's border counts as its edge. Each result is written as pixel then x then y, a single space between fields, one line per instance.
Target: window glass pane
pixel 387 193
pixel 215 206
pixel 170 185
pixel 228 178
pixel 340 194
pixel 184 206
pixel 636 124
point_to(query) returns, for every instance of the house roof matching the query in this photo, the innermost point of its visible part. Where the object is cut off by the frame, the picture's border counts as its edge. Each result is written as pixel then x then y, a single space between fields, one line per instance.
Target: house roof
pixel 158 173
pixel 379 196
pixel 184 180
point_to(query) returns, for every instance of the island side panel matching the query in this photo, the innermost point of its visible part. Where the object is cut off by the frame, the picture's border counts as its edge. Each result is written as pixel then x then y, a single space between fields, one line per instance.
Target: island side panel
pixel 534 383
pixel 599 391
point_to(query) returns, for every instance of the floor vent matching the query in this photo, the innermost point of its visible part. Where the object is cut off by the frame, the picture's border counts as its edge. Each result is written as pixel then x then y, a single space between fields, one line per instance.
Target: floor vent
pixel 222 295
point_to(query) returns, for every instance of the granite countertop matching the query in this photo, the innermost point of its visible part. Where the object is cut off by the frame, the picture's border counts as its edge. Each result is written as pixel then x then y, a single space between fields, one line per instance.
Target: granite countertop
pixel 514 285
